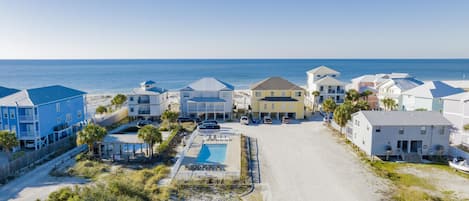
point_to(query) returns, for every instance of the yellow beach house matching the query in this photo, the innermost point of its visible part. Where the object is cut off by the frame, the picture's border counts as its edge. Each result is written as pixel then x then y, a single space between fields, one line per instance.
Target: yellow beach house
pixel 277 97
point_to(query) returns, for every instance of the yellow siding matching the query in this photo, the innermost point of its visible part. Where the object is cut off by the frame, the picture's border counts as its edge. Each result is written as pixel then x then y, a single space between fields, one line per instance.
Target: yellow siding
pixel 278 106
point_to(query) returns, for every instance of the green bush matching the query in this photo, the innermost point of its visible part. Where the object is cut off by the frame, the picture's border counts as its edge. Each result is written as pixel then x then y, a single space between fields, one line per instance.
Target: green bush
pixel 164 129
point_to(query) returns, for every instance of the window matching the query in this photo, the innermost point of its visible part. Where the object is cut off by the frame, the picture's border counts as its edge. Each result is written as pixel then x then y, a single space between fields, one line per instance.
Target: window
pixel 5 114
pixel 378 129
pixel 12 114
pixel 333 75
pixel 423 130
pixel 321 88
pixel 131 109
pixel 57 107
pixel 298 93
pixel 442 130
pixel 79 114
pixel 185 95
pixel 273 106
pixel 68 117
pixel 401 131
pixel 318 75
pixel 131 98
pixel 265 106
pixel 258 94
pixel 272 93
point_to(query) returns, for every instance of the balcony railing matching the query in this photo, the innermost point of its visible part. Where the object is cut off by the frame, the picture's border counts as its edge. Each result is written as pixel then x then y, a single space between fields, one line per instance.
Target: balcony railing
pixel 26 117
pixel 143 101
pixel 27 134
pixel 332 91
pixel 144 112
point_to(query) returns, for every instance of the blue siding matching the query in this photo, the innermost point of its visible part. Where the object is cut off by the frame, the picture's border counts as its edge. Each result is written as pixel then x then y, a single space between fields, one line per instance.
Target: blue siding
pixel 48 116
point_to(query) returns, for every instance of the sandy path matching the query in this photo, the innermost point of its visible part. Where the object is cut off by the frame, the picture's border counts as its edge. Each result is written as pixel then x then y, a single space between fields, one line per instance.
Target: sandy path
pixel 37 183
pixel 305 162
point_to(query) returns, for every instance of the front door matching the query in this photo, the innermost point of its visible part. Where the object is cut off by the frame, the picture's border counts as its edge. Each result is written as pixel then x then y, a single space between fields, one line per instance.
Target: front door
pixel 415 145
pixel 402 144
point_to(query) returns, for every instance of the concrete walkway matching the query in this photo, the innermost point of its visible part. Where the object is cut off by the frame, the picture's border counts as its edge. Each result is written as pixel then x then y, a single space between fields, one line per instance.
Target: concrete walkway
pixel 37 183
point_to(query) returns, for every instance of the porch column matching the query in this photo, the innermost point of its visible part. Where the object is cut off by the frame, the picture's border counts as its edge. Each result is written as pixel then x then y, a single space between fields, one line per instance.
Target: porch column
pixel 206 112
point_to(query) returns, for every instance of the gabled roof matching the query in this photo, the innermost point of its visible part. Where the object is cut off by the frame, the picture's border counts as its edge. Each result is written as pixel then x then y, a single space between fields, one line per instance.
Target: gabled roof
pixel 322 70
pixel 7 91
pixel 464 96
pixel 403 83
pixel 405 118
pixel 37 96
pixel 329 81
pixel 433 89
pixel 464 84
pixel 275 83
pixel 209 84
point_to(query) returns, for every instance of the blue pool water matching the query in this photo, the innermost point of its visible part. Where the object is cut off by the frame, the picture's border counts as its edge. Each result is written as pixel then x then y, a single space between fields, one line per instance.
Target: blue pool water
pixel 212 153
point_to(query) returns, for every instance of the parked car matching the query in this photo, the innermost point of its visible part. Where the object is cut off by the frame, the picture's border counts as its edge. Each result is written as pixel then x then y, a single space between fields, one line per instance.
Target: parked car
pixel 184 119
pixel 267 120
pixel 209 126
pixel 142 123
pixel 197 120
pixel 285 119
pixel 244 120
pixel 208 122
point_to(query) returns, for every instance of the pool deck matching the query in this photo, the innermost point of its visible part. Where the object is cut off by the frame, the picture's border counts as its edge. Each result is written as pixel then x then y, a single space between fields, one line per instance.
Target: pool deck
pixel 233 155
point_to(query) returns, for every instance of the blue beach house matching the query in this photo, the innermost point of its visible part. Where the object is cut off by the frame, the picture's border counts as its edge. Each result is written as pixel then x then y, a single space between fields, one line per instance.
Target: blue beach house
pixel 42 116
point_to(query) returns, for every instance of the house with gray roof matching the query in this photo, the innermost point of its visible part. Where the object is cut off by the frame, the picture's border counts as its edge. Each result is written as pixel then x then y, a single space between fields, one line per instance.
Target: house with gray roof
pixel 428 96
pixel 148 101
pixel 405 135
pixel 207 98
pixel 44 115
pixel 325 80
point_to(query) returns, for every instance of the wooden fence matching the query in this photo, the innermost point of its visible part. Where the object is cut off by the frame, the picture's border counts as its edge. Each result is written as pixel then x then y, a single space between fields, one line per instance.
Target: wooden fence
pixel 33 158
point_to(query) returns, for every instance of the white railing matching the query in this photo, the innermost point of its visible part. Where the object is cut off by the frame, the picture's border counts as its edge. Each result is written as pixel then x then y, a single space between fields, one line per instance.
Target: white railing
pixel 176 165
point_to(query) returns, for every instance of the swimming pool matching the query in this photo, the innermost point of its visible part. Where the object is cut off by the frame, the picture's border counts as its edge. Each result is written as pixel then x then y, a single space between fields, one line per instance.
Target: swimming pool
pixel 212 153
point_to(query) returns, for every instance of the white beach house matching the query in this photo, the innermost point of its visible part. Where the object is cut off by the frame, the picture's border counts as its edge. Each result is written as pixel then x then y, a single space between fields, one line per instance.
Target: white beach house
pixel 207 98
pixel 456 110
pixel 393 89
pixel 409 135
pixel 427 96
pixel 325 80
pixel 148 101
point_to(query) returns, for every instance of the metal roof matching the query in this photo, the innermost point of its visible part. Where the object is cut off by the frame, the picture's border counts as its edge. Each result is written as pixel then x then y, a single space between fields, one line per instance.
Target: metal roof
pixel 209 84
pixel 275 83
pixel 42 95
pixel 405 118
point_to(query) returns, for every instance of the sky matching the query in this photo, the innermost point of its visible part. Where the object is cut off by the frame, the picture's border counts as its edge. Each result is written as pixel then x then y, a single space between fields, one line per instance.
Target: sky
pixel 170 29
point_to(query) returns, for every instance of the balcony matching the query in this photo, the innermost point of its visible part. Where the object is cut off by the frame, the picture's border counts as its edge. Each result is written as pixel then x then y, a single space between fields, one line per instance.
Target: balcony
pixel 27 134
pixel 144 112
pixel 143 101
pixel 332 91
pixel 26 118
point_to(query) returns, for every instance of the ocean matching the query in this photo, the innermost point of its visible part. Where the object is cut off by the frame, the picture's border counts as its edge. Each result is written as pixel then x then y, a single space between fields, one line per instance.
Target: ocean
pixel 112 76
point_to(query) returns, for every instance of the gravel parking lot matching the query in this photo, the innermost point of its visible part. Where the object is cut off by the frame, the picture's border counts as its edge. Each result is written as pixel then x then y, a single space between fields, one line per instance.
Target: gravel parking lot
pixel 303 161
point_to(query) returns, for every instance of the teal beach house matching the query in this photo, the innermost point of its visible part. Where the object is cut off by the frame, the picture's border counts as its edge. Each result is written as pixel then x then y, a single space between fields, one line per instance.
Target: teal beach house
pixel 42 116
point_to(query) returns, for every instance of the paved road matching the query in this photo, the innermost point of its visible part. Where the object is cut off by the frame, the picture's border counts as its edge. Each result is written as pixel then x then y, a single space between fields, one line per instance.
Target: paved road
pixel 37 183
pixel 305 162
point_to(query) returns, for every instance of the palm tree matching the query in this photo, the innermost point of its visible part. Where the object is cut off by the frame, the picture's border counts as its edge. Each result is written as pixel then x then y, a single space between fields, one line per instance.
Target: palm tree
pixel 150 135
pixel 328 106
pixel 8 140
pixel 315 95
pixel 342 114
pixel 389 104
pixel 118 100
pixel 352 95
pixel 91 134
pixel 361 105
pixel 365 94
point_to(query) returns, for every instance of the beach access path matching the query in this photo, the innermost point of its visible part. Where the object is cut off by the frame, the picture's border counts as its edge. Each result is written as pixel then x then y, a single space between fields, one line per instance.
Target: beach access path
pixel 304 161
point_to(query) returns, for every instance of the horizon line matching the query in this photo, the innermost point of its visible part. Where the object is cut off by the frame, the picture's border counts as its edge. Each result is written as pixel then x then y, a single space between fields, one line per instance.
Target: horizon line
pixel 240 58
